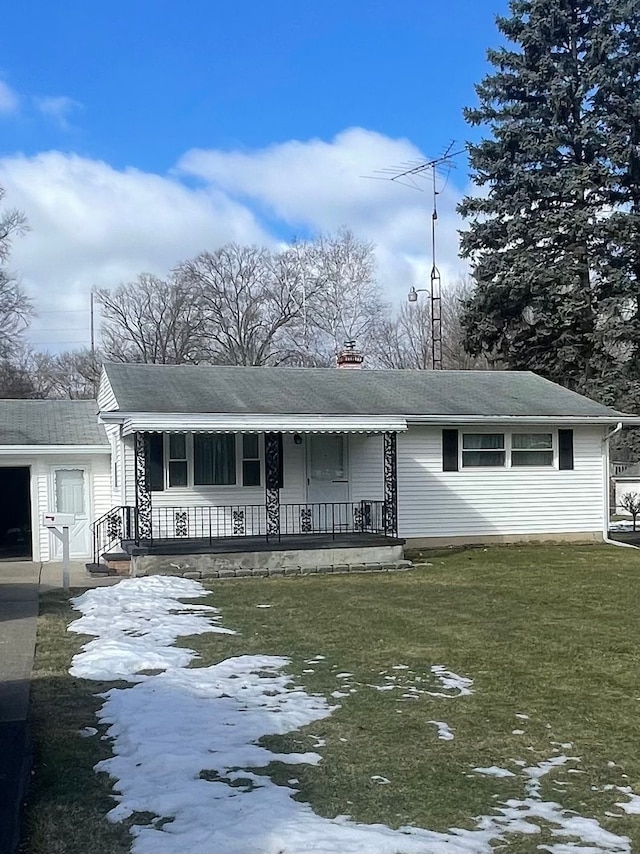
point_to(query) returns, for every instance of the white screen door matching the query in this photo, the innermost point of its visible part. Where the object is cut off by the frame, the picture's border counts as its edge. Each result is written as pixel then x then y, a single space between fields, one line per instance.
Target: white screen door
pixel 327 478
pixel 70 496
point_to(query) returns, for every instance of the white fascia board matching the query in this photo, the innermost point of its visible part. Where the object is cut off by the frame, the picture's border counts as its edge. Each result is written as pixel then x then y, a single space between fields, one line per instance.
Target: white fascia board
pixel 68 450
pixel 216 423
pixel 628 420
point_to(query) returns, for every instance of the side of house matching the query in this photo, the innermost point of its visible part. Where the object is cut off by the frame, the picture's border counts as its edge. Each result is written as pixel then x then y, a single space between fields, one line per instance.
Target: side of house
pixel 54 457
pixel 461 456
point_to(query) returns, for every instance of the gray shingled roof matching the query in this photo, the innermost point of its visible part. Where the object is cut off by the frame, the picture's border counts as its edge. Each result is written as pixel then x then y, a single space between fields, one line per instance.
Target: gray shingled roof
pixel 329 391
pixel 50 422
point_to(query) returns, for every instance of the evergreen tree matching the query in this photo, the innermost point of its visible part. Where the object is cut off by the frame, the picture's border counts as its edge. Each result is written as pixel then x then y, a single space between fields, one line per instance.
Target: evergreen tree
pixel 543 238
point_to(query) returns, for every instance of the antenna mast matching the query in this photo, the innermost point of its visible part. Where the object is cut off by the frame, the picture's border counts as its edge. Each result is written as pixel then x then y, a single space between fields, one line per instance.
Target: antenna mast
pixel 406 177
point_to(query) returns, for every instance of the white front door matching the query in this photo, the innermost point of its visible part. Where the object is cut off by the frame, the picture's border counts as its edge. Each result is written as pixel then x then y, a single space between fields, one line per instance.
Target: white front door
pixel 71 495
pixel 327 473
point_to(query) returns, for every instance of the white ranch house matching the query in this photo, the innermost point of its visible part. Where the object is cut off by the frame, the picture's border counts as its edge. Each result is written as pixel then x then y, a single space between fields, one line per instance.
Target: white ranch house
pixel 212 460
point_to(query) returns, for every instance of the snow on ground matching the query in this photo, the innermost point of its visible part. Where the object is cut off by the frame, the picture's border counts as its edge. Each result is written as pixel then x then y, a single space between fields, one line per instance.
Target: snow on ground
pixel 623 525
pixel 186 746
pixel 136 627
pixel 450 681
pixel 444 732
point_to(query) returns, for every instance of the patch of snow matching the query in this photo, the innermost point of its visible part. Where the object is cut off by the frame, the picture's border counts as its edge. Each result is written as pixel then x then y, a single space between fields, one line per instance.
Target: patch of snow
pixel 263 606
pixel 517 732
pixel 621 525
pixel 451 682
pixel 87 732
pixel 522 716
pixel 400 667
pixel 633 807
pixel 444 732
pixel 381 687
pixel 308 671
pixel 186 748
pixel 343 675
pixel 136 626
pixel 338 694
pixel 494 771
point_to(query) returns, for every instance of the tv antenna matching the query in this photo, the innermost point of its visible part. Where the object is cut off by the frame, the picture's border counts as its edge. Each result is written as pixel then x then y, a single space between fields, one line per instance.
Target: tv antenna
pixel 406 175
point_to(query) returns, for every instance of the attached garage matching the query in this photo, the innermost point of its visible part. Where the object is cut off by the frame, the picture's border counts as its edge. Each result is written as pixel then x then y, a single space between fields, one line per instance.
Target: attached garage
pixel 54 457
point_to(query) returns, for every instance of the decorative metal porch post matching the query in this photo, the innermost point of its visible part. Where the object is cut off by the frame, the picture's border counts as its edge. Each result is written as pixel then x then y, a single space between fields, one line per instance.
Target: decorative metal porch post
pixel 272 444
pixel 143 495
pixel 391 484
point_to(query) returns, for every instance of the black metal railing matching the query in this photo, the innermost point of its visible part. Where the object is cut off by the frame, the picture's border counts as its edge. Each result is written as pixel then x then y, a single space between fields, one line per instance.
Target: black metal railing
pixel 214 522
pixel 211 522
pixel 111 529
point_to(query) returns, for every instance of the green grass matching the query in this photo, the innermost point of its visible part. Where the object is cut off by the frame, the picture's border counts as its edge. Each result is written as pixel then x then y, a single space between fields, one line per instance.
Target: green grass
pixel 549 631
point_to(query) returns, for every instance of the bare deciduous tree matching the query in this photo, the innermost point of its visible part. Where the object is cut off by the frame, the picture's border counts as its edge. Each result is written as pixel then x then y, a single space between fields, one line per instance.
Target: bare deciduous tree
pixel 151 320
pixel 631 503
pixel 404 341
pixel 345 301
pixel 16 308
pixel 246 295
pixel 74 374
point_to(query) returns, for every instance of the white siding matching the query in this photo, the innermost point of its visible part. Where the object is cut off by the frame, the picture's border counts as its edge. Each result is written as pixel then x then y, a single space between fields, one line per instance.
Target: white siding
pixel 366 467
pixel 117 453
pixel 106 398
pixel 433 503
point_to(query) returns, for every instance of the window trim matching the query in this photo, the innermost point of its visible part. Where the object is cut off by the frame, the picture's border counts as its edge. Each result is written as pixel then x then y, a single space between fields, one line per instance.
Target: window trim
pixel 508 448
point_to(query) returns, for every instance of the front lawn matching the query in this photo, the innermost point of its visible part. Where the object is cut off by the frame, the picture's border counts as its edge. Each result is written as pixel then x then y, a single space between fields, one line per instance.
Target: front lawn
pixel 548 634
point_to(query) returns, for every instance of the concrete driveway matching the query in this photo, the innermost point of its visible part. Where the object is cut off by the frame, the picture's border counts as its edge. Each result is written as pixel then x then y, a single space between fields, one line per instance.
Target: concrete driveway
pixel 20 585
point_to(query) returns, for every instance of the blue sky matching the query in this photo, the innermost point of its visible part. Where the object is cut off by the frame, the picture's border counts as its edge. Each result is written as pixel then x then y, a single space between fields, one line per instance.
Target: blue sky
pixel 204 110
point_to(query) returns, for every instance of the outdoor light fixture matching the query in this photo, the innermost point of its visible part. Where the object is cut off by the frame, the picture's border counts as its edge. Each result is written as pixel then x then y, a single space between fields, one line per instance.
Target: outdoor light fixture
pixel 413 295
pixel 297 439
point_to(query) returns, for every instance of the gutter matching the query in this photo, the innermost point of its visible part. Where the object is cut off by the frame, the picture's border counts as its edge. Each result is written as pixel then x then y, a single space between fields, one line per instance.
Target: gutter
pixel 605 483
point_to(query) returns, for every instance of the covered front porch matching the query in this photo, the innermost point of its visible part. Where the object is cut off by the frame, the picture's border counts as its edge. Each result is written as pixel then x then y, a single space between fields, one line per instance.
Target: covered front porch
pixel 305 489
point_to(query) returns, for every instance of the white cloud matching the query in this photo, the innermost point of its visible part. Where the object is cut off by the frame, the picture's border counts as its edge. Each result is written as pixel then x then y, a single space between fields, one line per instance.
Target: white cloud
pixel 9 100
pixel 92 224
pixel 321 185
pixel 58 108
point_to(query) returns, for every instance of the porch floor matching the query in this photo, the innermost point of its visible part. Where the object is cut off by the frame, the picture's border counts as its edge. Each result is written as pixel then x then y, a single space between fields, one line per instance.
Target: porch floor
pixel 287 542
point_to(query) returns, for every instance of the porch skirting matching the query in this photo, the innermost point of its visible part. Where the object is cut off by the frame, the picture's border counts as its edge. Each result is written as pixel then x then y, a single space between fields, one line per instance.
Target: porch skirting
pixel 307 561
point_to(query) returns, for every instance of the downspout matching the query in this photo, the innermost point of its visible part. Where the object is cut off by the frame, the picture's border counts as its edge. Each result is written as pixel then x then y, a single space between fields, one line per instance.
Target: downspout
pixel 605 479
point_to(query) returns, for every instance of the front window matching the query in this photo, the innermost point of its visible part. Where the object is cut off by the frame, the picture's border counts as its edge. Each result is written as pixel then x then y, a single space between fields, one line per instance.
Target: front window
pixel 531 449
pixel 483 449
pixel 250 459
pixel 214 459
pixel 177 459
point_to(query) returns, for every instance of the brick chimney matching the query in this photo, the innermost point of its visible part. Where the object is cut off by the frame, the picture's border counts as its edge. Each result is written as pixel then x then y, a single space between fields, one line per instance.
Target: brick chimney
pixel 349 357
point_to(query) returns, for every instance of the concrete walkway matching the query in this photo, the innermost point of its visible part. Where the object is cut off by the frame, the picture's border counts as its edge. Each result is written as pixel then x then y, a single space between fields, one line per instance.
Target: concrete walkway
pixel 20 584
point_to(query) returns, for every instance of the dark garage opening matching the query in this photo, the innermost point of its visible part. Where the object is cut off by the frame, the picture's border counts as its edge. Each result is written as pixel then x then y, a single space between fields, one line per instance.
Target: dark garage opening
pixel 15 513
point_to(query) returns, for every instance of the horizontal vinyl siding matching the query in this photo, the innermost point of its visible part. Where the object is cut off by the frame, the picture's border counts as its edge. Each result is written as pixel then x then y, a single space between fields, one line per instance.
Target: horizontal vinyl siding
pixel 366 467
pixel 40 471
pixel 433 503
pixel 101 480
pixel 106 398
pixel 128 470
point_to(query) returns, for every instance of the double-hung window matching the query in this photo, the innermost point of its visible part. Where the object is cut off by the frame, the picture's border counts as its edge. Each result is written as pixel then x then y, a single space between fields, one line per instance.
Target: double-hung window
pixel 531 449
pixel 483 449
pixel 250 459
pixel 178 466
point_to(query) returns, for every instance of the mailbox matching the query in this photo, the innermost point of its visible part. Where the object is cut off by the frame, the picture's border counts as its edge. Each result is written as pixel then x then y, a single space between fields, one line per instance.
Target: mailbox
pixel 58 520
